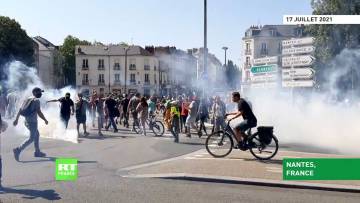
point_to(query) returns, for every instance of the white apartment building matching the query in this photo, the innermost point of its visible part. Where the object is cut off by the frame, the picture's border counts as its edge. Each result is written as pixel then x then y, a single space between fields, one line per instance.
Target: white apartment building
pixel 103 68
pixel 48 63
pixel 265 41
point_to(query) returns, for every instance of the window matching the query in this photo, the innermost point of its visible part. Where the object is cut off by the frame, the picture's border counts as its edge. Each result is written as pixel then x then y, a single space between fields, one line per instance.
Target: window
pixel 132 78
pixel 299 32
pixel 147 81
pixel 280 48
pixel 272 33
pixel 85 79
pixel 154 68
pixel 101 64
pixel 117 78
pixel 264 49
pixel 117 64
pixel 101 79
pixel 132 65
pixel 85 64
pixel 155 78
pixel 247 61
pixel 247 48
pixel 146 64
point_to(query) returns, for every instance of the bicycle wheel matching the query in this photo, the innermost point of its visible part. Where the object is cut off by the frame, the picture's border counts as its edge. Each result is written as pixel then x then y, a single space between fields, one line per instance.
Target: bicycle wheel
pixel 262 151
pixel 158 128
pixel 137 128
pixel 219 144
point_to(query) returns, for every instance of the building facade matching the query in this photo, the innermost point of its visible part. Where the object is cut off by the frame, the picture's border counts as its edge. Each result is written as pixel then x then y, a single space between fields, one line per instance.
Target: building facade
pixel 179 66
pixel 48 62
pixel 264 41
pixel 106 68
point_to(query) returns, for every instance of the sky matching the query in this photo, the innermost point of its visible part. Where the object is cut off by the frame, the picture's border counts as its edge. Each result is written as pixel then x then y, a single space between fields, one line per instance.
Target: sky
pixel 151 22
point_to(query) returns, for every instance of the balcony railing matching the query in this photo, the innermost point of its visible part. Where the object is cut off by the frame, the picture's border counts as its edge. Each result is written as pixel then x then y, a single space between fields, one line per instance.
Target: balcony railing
pixel 264 52
pixel 132 67
pixel 147 83
pixel 117 82
pixel 132 82
pixel 85 68
pixel 247 51
pixel 101 68
pixel 247 65
pixel 116 67
pixel 146 67
pixel 101 82
pixel 85 82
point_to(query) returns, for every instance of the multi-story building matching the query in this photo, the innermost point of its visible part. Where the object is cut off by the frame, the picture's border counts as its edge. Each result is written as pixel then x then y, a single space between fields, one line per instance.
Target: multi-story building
pixel 48 62
pixel 265 41
pixel 215 70
pixel 103 68
pixel 180 67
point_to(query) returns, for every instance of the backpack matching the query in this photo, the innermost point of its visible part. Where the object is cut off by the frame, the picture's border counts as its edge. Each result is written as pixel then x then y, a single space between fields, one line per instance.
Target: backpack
pixel 26 109
pixel 265 134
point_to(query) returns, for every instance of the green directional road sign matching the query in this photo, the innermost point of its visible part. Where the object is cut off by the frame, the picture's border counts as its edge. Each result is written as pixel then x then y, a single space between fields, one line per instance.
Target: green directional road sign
pixel 264 69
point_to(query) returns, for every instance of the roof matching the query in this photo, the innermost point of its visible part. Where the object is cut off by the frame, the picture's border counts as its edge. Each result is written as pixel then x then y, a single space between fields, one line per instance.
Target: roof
pixel 263 31
pixel 114 50
pixel 44 41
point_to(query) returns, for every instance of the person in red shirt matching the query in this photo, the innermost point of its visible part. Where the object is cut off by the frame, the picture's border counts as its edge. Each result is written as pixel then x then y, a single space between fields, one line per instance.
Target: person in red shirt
pixel 184 113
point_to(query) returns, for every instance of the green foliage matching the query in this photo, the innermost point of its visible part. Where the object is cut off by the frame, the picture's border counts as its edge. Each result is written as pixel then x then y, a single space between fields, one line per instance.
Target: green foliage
pixel 233 75
pixel 15 44
pixel 67 51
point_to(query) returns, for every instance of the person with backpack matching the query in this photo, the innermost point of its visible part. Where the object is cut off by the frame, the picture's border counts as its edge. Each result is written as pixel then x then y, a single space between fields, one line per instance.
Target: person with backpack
pixel 80 113
pixel 31 110
pixel 3 126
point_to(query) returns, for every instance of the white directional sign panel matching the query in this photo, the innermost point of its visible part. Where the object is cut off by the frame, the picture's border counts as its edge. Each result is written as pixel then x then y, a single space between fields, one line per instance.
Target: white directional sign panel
pixel 297 61
pixel 298 83
pixel 298 73
pixel 299 41
pixel 263 78
pixel 298 50
pixel 264 85
pixel 266 60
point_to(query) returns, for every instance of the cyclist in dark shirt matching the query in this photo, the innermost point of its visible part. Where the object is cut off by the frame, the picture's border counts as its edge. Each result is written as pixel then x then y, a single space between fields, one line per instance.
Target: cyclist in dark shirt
pixel 66 108
pixel 245 111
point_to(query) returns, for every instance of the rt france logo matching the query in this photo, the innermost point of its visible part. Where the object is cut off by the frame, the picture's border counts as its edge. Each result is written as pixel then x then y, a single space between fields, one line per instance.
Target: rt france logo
pixel 66 169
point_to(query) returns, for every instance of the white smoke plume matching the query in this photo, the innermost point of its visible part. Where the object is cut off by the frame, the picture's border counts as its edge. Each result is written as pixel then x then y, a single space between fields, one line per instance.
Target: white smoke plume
pixel 22 79
pixel 315 119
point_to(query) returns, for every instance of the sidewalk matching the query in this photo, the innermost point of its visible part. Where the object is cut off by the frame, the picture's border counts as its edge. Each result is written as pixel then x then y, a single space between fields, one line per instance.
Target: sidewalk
pixel 239 167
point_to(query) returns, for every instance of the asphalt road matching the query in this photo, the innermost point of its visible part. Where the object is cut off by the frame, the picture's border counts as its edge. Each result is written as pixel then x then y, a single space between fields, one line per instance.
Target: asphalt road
pixel 32 179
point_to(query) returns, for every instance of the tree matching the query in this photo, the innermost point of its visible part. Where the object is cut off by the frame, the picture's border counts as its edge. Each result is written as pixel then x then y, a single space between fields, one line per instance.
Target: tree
pixel 233 75
pixel 331 40
pixel 15 44
pixel 67 50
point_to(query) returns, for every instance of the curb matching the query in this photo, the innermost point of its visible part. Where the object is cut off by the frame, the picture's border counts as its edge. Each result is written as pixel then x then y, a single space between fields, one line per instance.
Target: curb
pixel 252 181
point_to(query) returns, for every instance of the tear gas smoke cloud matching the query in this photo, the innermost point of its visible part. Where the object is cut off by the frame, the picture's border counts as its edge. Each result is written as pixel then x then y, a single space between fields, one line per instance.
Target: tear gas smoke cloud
pixel 316 119
pixel 22 79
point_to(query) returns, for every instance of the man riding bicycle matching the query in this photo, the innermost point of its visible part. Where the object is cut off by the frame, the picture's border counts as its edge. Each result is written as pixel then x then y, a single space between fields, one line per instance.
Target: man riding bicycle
pixel 249 121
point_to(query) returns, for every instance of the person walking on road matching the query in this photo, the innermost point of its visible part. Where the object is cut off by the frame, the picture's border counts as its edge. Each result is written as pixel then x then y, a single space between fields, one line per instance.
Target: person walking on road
pixel 125 113
pixel 175 120
pixel 142 110
pixel 99 105
pixel 191 119
pixel 133 103
pixel 203 115
pixel 66 108
pixel 110 104
pixel 184 114
pixel 30 109
pixel 219 111
pixel 81 107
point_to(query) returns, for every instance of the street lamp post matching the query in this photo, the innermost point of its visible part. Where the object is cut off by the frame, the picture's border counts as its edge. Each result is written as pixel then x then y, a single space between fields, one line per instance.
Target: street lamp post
pixel 225 49
pixel 126 51
pixel 108 51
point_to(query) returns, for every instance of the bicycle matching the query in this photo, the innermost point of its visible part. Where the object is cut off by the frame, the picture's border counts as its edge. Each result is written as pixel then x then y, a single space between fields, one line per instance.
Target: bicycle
pixel 221 143
pixel 156 126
